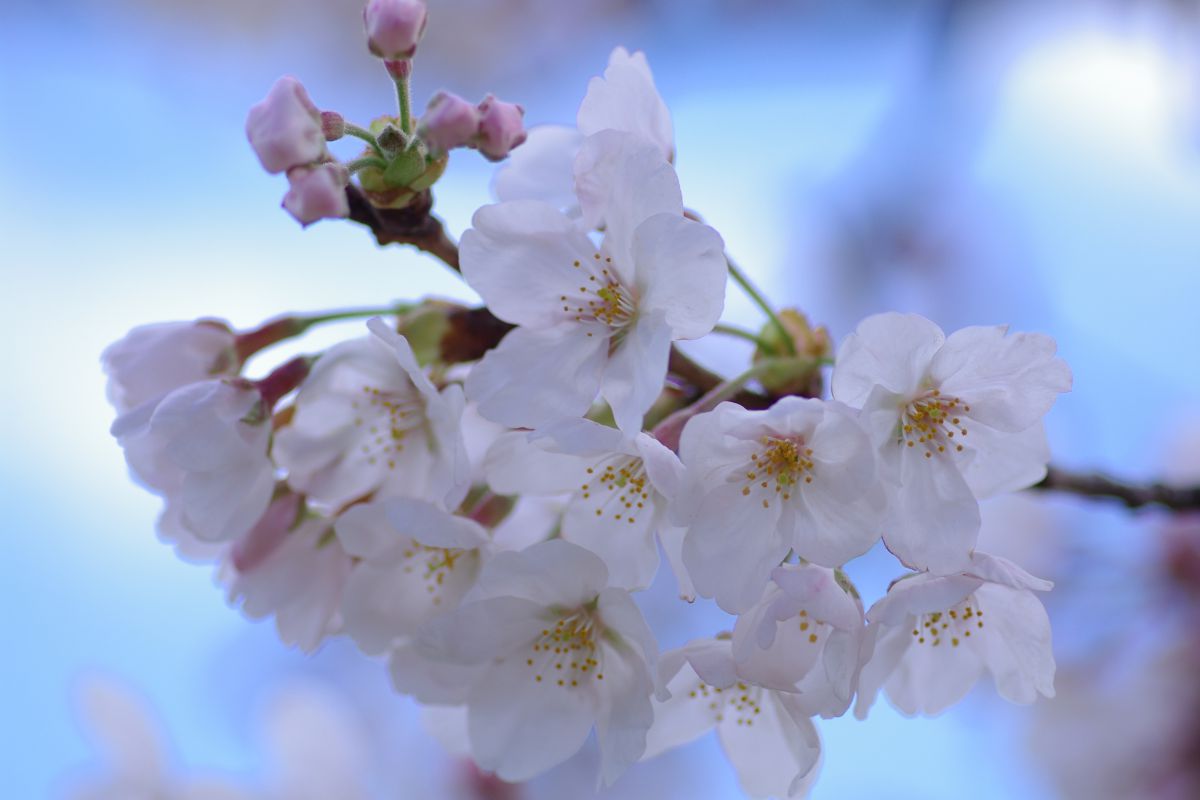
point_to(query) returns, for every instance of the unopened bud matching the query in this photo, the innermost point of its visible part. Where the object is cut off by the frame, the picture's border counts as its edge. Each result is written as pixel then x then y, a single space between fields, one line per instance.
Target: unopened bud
pixel 449 122
pixel 317 192
pixel 333 125
pixel 501 128
pixel 809 343
pixel 285 129
pixel 394 27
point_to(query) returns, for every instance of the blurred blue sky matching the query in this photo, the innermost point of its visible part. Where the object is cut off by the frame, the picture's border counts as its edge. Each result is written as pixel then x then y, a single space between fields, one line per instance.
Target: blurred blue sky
pixel 1011 164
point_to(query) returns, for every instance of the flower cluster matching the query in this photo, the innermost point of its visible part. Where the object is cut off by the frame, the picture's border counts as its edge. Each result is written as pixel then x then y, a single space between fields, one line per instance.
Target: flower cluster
pixel 338 494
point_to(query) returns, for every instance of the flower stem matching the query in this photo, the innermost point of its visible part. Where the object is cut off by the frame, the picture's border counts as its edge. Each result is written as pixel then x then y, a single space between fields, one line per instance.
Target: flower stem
pixel 404 98
pixel 669 430
pixel 759 300
pixel 741 333
pixel 360 164
pixel 287 327
pixel 365 135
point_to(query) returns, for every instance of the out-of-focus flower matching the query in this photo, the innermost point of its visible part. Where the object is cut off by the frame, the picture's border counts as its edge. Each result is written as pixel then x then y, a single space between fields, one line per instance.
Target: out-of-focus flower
pixel 767 737
pixel 394 27
pixel 134 747
pixel 285 128
pixel 803 636
pixel 367 421
pixel 931 638
pixel 799 476
pixel 601 319
pixel 204 448
pixel 152 360
pixel 317 192
pixel 541 651
pixel 619 488
pixel 501 128
pixel 955 418
pixel 449 121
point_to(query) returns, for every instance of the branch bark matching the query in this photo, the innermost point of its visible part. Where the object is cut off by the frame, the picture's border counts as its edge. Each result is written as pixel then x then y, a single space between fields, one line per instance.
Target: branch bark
pixel 1132 496
pixel 415 225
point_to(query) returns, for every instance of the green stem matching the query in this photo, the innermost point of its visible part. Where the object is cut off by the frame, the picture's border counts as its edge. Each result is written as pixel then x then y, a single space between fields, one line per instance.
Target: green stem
pixel 360 164
pixel 404 97
pixel 287 327
pixel 759 300
pixel 669 430
pixel 304 323
pixel 741 333
pixel 365 135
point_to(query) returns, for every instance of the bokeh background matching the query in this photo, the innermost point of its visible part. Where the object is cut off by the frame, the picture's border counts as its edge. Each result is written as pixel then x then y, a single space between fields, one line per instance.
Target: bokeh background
pixel 978 162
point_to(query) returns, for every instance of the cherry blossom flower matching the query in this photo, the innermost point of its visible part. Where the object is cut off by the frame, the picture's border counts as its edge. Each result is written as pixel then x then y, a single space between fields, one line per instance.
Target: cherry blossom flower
pixel 154 359
pixel 285 128
pixel 394 27
pixel 540 651
pixel 317 192
pixel 799 476
pixel 291 567
pixel 625 99
pixel 932 637
pixel 600 318
pixel 618 486
pixel 368 421
pixel 416 561
pixel 767 737
pixel 204 447
pixel 803 636
pixel 955 418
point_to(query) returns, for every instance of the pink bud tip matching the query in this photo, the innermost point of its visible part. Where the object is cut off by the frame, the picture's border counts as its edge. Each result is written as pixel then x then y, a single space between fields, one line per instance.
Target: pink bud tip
pixel 394 27
pixel 317 192
pixel 449 122
pixel 501 128
pixel 333 125
pixel 285 128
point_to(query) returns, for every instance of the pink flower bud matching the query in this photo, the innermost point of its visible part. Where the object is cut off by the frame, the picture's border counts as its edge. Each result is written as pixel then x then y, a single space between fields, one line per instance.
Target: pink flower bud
pixel 333 125
pixel 318 192
pixel 449 122
pixel 501 128
pixel 394 27
pixel 285 128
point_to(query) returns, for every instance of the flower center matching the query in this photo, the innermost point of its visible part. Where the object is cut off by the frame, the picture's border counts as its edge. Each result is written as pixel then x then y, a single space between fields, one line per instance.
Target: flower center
pixel 435 563
pixel 741 699
pixel 954 626
pixel 388 418
pixel 601 297
pixel 813 627
pixel 932 422
pixel 568 654
pixel 621 485
pixel 783 464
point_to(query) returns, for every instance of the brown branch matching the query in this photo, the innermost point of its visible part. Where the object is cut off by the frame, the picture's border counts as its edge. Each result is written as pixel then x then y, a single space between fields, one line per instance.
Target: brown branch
pixel 1174 498
pixel 415 225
